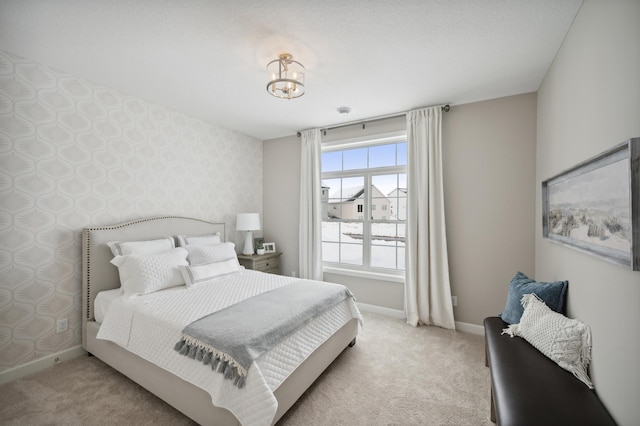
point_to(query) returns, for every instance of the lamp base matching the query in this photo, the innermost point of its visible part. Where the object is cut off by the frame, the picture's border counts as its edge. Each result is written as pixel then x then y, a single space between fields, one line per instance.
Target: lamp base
pixel 248 244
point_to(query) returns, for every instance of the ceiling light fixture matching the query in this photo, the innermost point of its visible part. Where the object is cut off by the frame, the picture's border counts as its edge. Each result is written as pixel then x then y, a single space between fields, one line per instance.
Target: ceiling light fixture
pixel 286 77
pixel 344 111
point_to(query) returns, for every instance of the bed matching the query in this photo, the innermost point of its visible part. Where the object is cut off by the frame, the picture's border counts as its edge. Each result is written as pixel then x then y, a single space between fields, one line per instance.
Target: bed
pixel 99 275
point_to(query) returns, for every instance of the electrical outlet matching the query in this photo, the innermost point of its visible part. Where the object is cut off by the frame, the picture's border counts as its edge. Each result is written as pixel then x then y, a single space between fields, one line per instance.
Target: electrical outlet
pixel 454 300
pixel 293 273
pixel 62 325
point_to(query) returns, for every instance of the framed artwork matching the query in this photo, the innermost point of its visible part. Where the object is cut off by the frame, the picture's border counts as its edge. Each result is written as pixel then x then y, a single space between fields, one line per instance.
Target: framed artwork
pixel 258 243
pixel 269 247
pixel 595 206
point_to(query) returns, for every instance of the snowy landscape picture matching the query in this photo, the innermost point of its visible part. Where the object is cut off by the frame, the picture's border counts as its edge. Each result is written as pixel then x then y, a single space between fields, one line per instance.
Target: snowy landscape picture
pixel 590 207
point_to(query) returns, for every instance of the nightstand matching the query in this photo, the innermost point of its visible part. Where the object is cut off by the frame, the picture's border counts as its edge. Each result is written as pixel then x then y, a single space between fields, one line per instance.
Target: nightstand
pixel 269 263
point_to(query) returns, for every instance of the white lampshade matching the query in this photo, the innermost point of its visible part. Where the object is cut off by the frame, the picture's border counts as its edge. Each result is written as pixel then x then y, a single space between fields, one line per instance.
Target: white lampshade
pixel 248 222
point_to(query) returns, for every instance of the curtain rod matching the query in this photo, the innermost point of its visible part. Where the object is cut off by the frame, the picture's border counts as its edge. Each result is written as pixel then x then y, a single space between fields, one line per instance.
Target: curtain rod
pixel 444 108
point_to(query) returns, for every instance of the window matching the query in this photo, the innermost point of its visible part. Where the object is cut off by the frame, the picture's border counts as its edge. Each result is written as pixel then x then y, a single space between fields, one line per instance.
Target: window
pixel 364 209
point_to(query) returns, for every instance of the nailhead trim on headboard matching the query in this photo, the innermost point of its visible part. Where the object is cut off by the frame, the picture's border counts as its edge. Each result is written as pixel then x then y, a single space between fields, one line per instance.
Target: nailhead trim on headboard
pixel 88 272
pixel 113 227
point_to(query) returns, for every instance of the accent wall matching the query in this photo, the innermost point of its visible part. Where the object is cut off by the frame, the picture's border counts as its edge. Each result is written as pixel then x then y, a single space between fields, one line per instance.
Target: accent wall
pixel 76 154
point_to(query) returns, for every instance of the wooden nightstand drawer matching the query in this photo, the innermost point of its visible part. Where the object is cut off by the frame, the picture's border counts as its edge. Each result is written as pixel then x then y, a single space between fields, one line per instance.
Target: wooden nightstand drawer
pixel 275 270
pixel 264 264
pixel 269 263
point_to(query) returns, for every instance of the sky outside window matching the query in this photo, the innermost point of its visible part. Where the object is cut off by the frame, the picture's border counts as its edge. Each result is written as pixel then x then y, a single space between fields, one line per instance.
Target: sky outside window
pixel 387 155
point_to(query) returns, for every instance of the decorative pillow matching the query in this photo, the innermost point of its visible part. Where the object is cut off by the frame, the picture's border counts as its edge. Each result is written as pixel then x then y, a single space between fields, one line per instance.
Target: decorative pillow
pixel 202 240
pixel 146 273
pixel 552 293
pixel 121 248
pixel 565 341
pixel 207 272
pixel 207 254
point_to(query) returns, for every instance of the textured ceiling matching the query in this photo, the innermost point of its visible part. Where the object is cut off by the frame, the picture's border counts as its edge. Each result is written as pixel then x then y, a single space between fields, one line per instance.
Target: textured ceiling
pixel 208 58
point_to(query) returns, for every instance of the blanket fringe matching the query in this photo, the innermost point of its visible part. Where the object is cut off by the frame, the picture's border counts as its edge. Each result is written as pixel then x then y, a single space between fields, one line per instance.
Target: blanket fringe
pixel 220 361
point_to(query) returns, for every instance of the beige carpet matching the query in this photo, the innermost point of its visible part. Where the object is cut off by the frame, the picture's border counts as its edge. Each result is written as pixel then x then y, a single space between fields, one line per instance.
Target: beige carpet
pixel 394 375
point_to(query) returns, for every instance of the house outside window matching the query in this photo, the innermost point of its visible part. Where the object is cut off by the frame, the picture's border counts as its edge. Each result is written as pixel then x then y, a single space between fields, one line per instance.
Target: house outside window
pixel 359 229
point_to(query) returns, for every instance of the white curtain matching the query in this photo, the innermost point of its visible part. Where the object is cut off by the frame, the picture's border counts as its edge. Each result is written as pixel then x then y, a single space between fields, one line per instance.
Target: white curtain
pixel 427 287
pixel 310 239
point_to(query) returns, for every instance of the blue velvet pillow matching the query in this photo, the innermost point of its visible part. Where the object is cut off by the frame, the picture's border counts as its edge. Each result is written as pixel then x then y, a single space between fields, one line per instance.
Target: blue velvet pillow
pixel 552 294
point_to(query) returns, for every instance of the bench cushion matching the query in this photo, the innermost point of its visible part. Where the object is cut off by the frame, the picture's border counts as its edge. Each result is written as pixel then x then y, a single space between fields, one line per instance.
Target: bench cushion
pixel 530 389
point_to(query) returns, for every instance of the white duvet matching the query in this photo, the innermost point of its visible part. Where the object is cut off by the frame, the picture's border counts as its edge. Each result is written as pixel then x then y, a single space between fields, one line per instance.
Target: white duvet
pixel 150 325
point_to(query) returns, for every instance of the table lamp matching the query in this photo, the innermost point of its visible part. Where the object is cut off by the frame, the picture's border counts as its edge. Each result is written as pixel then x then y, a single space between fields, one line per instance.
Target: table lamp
pixel 248 222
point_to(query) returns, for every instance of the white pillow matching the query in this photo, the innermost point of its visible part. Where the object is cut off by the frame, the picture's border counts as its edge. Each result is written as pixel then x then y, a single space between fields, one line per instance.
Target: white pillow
pixel 208 272
pixel 121 248
pixel 566 341
pixel 146 273
pixel 202 240
pixel 207 254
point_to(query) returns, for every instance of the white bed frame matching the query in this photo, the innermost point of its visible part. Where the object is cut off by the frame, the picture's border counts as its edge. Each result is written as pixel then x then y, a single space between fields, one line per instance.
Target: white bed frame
pixel 99 274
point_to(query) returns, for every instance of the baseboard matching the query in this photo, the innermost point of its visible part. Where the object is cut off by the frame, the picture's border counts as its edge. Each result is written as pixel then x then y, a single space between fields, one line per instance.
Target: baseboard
pixel 41 364
pixel 470 328
pixel 395 313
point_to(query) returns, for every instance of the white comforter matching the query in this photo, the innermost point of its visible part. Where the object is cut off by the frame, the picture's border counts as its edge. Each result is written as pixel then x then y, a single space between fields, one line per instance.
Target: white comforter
pixel 150 325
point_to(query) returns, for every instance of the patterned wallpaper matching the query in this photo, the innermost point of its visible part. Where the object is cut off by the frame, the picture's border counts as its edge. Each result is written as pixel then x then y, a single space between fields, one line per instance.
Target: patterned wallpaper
pixel 76 154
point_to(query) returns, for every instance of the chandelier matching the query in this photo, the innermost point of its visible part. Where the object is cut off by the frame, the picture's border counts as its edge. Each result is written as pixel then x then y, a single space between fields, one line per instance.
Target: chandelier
pixel 286 77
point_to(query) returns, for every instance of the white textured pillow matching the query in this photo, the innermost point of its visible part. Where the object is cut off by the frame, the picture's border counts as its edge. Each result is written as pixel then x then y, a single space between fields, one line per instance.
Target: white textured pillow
pixel 208 272
pixel 207 254
pixel 566 341
pixel 202 240
pixel 121 248
pixel 146 273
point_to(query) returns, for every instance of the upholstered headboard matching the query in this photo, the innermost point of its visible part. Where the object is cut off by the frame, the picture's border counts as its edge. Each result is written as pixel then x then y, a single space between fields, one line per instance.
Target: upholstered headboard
pixel 98 274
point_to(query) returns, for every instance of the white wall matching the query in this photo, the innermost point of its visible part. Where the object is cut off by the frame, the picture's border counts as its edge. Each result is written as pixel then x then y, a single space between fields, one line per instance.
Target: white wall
pixel 281 183
pixel 489 150
pixel 489 170
pixel 76 154
pixel 589 101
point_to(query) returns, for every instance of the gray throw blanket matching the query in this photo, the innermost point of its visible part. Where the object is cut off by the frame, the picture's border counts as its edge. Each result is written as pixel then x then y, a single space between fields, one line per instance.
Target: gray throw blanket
pixel 232 338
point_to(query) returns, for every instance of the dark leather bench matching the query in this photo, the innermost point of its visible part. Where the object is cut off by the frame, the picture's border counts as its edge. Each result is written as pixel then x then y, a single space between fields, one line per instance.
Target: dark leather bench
pixel 527 388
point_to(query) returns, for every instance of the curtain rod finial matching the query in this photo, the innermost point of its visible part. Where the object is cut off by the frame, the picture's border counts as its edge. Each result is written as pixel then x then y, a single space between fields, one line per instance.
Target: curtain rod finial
pixel 446 108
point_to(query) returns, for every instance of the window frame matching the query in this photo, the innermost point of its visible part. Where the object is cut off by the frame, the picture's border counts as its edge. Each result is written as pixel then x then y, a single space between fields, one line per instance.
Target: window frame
pixel 366 270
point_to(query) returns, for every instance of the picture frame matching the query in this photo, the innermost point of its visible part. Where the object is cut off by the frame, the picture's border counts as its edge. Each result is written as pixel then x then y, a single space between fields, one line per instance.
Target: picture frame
pixel 269 247
pixel 258 243
pixel 594 206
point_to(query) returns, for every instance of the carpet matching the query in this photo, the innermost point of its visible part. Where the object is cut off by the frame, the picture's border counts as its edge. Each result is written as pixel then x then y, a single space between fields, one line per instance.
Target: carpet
pixel 395 375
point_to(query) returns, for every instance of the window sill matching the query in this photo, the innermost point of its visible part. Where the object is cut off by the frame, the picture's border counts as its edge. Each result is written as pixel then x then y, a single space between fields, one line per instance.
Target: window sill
pixel 364 274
